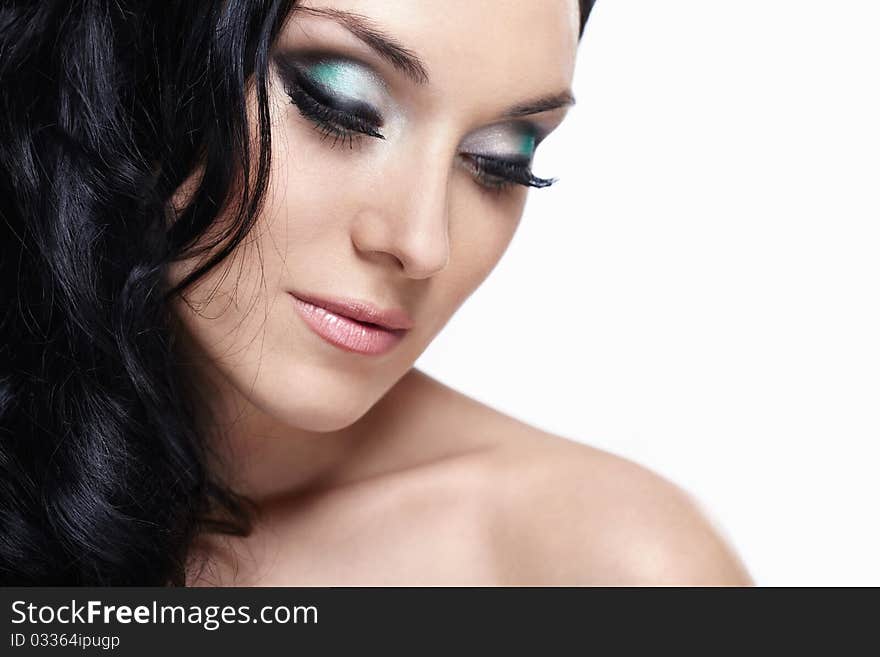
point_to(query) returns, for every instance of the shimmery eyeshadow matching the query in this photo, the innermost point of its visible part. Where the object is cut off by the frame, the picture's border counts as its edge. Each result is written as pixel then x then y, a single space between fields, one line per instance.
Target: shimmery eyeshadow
pixel 348 80
pixel 527 145
pixel 501 140
pixel 327 73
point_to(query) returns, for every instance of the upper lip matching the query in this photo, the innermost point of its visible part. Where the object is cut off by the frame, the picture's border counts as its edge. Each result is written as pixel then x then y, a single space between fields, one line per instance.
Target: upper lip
pixel 362 311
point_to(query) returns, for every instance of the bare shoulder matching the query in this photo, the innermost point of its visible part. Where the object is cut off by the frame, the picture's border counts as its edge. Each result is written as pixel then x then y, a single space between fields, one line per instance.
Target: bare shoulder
pixel 569 513
pixel 561 512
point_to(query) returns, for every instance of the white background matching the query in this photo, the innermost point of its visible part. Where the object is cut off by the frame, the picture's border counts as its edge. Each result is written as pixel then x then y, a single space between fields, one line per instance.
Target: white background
pixel 699 291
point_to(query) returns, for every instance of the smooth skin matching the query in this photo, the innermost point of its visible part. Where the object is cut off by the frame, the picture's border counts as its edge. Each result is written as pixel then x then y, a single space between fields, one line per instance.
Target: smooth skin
pixel 365 470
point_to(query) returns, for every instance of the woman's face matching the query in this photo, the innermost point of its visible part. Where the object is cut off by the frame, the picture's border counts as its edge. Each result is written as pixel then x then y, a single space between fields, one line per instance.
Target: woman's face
pixel 405 221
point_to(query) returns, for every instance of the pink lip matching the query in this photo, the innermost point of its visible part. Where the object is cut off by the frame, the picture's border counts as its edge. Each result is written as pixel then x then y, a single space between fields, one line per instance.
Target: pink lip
pixel 353 325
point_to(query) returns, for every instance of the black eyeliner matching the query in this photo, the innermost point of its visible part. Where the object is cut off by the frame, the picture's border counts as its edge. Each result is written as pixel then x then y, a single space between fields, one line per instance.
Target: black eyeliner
pixel 294 77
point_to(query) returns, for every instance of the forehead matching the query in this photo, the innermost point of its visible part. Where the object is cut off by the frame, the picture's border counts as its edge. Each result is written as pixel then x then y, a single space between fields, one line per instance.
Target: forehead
pixel 508 48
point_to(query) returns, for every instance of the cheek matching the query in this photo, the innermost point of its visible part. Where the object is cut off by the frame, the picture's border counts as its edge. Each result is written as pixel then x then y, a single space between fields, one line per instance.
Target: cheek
pixel 306 201
pixel 224 311
pixel 481 228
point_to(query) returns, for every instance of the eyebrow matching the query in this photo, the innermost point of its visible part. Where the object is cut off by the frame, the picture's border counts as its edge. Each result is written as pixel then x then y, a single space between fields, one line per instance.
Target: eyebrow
pixel 407 62
pixel 543 104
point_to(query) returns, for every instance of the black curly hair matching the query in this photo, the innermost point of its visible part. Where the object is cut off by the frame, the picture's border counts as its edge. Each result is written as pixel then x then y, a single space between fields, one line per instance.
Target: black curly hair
pixel 107 107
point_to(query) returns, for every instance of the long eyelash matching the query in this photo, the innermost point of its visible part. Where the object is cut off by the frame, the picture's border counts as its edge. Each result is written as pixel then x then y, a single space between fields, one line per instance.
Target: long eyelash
pixel 501 174
pixel 331 122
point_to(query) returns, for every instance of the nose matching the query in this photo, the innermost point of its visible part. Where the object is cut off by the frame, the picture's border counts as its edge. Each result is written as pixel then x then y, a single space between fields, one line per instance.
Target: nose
pixel 406 218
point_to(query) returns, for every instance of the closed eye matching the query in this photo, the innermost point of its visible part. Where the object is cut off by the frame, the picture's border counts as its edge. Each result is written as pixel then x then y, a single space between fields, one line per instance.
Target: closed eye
pixel 328 114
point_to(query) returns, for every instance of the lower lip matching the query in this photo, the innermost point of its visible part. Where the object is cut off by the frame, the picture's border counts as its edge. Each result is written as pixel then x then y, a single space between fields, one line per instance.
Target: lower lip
pixel 346 333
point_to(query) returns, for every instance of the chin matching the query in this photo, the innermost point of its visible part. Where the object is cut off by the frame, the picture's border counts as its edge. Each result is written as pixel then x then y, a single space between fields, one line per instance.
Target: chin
pixel 322 402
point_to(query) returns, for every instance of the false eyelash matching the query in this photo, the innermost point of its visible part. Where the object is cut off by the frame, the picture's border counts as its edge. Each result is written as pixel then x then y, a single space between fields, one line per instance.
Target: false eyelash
pixel 330 121
pixel 501 174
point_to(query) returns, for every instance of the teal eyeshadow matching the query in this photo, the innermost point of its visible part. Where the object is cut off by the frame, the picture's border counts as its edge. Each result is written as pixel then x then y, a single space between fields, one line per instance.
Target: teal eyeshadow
pixel 527 144
pixel 327 73
pixel 342 78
